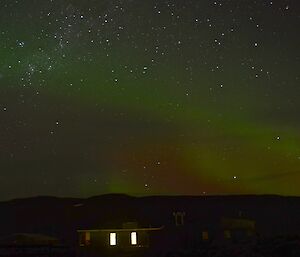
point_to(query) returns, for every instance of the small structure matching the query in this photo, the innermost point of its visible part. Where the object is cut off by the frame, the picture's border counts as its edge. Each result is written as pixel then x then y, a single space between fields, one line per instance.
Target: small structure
pixel 128 239
pixel 25 239
pixel 238 229
pixel 33 245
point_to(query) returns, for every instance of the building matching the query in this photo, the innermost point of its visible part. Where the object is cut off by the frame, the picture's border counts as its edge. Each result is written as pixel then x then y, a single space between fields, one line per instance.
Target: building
pixel 237 229
pixel 130 239
pixel 26 239
pixel 183 235
pixel 33 245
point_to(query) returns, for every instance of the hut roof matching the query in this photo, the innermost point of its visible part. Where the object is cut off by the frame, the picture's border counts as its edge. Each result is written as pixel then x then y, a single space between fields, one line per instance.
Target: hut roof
pixel 28 239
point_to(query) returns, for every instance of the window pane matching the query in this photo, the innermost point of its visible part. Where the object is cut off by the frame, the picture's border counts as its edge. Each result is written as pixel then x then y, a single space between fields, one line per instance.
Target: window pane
pixel 205 235
pixel 133 238
pixel 113 239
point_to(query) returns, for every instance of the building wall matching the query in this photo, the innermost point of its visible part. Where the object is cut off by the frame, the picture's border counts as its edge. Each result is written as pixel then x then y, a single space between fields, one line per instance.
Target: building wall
pixel 99 243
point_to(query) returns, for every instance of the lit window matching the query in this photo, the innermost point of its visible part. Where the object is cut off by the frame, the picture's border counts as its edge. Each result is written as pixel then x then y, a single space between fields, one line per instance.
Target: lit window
pixel 205 235
pixel 227 234
pixel 133 238
pixel 113 239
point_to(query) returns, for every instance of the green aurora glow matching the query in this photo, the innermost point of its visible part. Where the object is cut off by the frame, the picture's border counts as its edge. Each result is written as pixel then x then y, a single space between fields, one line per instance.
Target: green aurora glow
pixel 151 111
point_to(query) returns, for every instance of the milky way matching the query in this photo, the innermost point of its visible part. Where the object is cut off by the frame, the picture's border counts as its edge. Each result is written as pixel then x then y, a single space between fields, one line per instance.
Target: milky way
pixel 149 97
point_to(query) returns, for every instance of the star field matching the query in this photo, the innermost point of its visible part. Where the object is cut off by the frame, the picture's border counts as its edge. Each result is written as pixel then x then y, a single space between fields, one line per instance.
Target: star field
pixel 149 97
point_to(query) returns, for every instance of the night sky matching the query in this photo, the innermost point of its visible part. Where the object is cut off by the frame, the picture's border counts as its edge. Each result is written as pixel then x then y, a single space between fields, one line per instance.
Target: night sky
pixel 185 97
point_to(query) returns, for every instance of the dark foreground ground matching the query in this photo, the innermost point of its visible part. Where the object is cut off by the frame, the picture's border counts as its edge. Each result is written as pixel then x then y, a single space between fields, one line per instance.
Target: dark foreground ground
pixel 271 247
pixel 268 247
